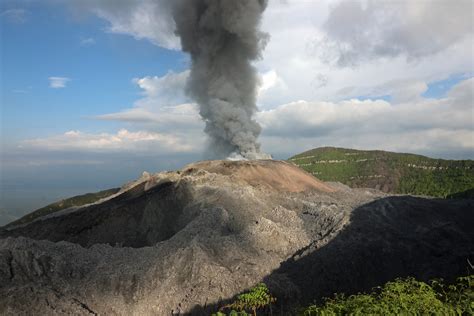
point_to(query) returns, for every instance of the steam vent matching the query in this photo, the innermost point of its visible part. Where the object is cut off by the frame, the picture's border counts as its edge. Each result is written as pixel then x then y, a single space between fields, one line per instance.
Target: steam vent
pixel 185 241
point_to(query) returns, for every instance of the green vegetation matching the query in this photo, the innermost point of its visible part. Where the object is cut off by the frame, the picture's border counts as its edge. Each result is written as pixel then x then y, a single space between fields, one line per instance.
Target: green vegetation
pixel 258 297
pixel 63 204
pixel 404 297
pixel 400 297
pixel 390 172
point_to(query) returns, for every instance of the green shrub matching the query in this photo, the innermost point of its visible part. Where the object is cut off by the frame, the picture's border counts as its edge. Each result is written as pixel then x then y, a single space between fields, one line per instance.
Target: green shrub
pixel 404 297
pixel 256 298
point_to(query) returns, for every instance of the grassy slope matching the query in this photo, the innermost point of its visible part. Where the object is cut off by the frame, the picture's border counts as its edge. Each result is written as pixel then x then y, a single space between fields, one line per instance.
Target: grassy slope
pixel 404 297
pixel 63 204
pixel 389 172
pixel 399 297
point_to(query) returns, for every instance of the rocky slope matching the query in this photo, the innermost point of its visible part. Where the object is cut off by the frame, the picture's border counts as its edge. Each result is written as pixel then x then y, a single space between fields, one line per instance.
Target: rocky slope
pixel 181 242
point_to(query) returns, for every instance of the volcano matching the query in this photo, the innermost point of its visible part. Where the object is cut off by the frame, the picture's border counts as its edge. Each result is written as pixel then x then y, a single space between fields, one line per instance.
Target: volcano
pixel 184 242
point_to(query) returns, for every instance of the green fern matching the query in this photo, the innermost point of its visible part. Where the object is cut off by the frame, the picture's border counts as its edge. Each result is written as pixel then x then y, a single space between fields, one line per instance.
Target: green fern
pixel 256 298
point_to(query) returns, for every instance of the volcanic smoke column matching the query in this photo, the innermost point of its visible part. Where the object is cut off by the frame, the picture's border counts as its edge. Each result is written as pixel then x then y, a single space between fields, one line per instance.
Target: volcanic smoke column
pixel 223 38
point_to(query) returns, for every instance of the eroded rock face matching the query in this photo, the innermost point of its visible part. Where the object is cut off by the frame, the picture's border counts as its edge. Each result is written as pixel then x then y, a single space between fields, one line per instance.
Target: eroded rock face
pixel 182 241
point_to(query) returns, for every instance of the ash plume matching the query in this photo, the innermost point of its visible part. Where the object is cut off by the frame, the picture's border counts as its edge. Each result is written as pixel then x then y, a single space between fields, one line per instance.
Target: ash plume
pixel 223 39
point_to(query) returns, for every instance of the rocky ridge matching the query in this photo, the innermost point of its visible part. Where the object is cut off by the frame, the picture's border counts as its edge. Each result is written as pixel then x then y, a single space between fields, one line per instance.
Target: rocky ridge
pixel 184 241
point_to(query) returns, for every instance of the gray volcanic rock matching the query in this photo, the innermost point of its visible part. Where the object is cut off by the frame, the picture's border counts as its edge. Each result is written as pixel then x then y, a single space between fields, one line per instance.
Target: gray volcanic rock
pixel 396 236
pixel 180 242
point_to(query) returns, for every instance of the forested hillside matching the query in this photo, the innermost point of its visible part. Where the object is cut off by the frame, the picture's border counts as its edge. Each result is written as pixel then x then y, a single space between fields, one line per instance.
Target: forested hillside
pixel 390 172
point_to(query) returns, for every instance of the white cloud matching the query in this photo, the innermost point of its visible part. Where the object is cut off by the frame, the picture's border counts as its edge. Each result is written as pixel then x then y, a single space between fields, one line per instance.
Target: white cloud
pixel 163 107
pixel 267 81
pixel 358 31
pixel 464 91
pixel 168 88
pixel 400 90
pixel 146 19
pixel 299 54
pixel 179 117
pixel 18 16
pixel 122 141
pixel 58 82
pixel 87 41
pixel 270 82
pixel 426 125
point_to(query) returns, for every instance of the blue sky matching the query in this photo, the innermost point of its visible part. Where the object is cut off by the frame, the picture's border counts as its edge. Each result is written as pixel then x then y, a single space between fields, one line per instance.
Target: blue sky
pixel 439 89
pixel 100 67
pixel 121 107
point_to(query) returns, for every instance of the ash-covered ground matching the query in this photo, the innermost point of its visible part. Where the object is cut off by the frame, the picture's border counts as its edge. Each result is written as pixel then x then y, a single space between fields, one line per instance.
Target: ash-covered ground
pixel 185 241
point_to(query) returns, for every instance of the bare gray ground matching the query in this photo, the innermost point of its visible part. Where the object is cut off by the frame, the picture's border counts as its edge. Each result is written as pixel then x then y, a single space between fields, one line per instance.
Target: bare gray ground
pixel 184 241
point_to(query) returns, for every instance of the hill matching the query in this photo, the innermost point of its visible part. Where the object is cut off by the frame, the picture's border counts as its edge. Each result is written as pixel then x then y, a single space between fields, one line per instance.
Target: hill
pixel 74 201
pixel 388 171
pixel 188 241
pixel 6 217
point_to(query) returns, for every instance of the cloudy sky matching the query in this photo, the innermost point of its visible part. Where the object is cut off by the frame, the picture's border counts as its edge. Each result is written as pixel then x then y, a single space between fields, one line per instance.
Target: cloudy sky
pixel 92 91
